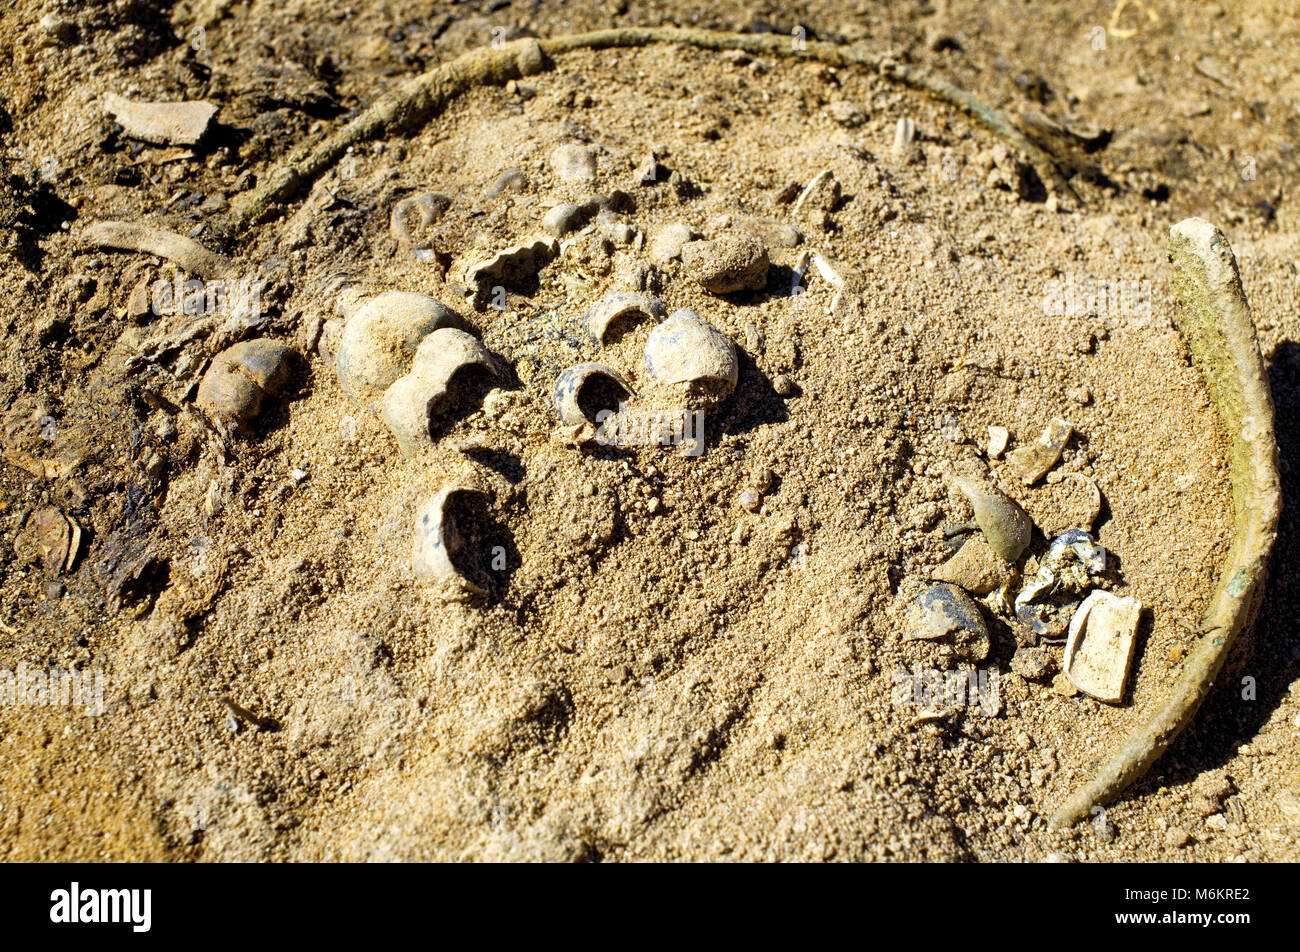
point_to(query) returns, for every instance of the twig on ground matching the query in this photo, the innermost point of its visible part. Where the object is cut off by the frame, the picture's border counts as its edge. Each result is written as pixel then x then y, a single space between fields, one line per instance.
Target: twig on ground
pixel 419 99
pixel 1215 320
pixel 134 236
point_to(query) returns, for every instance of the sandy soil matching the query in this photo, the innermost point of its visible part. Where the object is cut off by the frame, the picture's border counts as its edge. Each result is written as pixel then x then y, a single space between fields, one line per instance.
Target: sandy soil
pixel 676 656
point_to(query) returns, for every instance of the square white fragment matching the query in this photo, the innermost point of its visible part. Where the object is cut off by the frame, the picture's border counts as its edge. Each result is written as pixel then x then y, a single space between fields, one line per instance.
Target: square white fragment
pixel 1099 649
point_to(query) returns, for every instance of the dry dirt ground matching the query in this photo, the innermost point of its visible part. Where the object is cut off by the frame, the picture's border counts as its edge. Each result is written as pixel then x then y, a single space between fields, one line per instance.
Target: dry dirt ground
pixel 677 656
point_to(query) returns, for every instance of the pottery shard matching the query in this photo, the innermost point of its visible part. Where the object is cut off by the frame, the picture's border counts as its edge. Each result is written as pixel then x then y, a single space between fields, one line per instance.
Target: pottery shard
pixel 1100 646
pixel 732 263
pixel 163 123
pixel 436 538
pixel 686 349
pixel 1031 462
pixel 944 610
pixel 408 403
pixel 512 265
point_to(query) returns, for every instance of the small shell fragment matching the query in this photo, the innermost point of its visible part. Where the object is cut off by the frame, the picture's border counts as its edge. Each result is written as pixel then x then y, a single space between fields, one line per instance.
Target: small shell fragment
pixel 436 539
pixel 904 136
pixel 1005 525
pixel 998 437
pixel 943 610
pixel 51 538
pixel 241 377
pixel 603 315
pixel 568 390
pixel 1032 461
pixel 380 339
pixel 1073 563
pixel 686 349
pixel 411 399
pixel 510 266
pixel 1099 651
pixel 818 199
pixel 835 273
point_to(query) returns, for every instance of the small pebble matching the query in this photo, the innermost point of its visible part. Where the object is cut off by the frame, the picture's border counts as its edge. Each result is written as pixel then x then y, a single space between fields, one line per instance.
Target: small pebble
pixel 649 172
pixel 1064 686
pixel 846 113
pixel 565 219
pixel 974 567
pixel 620 233
pixel 1103 828
pixel 59 31
pixel 1005 525
pixel 666 242
pixel 241 377
pixel 1032 664
pixel 731 263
